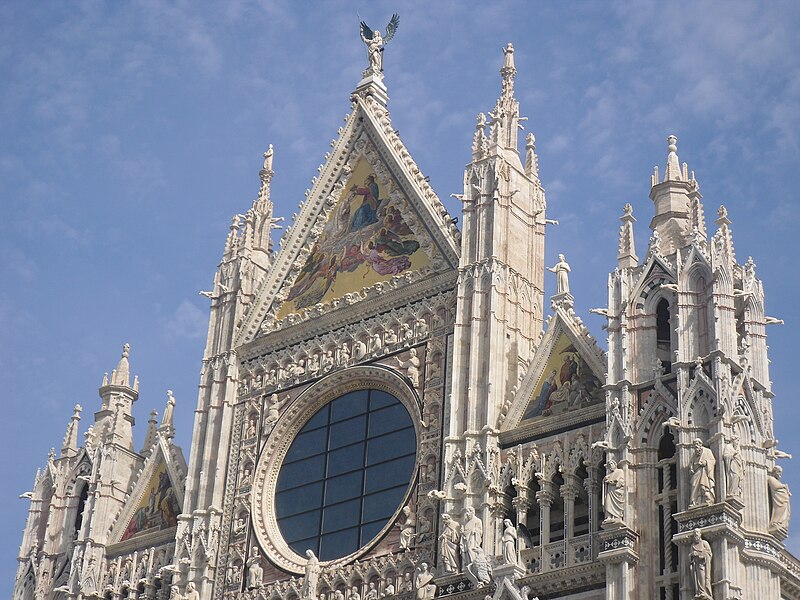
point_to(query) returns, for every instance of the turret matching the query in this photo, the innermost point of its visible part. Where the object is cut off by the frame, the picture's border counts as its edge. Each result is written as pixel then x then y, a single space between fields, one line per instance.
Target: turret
pixel 676 200
pixel 115 420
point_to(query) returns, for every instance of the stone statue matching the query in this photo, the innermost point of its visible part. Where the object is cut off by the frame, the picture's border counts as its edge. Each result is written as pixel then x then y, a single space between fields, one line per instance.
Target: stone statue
pixel 700 566
pixel 426 589
pixel 327 361
pixel 354 595
pixel 191 592
pixel 561 269
pixel 408 528
pixel 344 354
pixel 614 494
pixel 375 43
pixel 734 466
pixel 313 365
pixel 702 469
pixel 448 544
pixel 509 543
pixel 255 573
pixel 479 568
pixel 169 411
pixel 372 593
pixel 779 494
pixel 375 343
pixel 390 337
pixel 174 593
pixel 359 349
pixel 273 411
pixel 408 584
pixel 421 326
pixel 471 536
pixel 309 590
pixel 388 590
pixel 411 366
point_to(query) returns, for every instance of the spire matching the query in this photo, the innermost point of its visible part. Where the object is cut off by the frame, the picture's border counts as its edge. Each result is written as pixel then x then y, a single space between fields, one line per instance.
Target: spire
pixel 150 436
pixel 505 115
pixel 262 223
pixel 508 72
pixel 121 375
pixel 627 250
pixel 167 428
pixel 70 445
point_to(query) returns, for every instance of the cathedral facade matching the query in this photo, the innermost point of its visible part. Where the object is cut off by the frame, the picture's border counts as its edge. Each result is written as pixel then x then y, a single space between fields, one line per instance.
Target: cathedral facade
pixel 386 409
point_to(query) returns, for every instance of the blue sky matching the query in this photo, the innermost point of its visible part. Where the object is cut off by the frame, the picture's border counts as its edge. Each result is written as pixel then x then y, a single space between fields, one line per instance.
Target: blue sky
pixel 130 132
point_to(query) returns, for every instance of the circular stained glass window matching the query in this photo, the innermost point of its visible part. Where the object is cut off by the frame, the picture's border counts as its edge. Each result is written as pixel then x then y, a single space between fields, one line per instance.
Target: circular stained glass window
pixel 345 474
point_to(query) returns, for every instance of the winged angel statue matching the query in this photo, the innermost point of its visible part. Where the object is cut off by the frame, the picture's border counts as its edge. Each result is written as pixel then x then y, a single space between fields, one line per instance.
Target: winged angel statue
pixel 375 43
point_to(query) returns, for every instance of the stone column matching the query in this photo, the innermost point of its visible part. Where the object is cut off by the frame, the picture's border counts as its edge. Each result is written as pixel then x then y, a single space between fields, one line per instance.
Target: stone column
pixel 545 498
pixel 593 488
pixel 570 491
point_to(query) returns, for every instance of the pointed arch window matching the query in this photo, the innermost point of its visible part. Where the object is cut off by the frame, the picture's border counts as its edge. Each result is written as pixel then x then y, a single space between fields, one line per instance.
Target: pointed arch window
pixel 664 334
pixel 666 501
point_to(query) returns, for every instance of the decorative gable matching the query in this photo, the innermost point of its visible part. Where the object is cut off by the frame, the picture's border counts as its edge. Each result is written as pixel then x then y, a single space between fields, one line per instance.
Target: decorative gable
pixel 152 509
pixel 157 508
pixel 370 224
pixel 566 374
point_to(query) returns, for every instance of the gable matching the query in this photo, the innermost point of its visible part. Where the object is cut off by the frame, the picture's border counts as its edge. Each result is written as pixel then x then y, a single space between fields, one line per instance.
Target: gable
pixel 565 374
pixel 566 383
pixel 151 510
pixel 335 254
pixel 366 240
pixel 157 508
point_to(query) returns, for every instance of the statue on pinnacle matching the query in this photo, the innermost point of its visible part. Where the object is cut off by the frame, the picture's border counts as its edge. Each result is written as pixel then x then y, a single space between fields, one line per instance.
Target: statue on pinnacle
pixel 375 43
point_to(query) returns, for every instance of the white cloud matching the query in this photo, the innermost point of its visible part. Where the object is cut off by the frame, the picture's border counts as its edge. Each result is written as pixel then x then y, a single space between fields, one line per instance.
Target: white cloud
pixel 187 322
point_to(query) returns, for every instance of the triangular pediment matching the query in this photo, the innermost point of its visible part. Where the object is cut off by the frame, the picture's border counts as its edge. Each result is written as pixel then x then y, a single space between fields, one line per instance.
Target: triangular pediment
pixel 566 374
pixel 152 508
pixel 370 222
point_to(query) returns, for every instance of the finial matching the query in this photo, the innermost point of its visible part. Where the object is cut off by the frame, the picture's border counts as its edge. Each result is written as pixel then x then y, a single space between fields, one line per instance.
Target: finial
pixel 508 71
pixel 673 172
pixel 722 216
pixel 672 142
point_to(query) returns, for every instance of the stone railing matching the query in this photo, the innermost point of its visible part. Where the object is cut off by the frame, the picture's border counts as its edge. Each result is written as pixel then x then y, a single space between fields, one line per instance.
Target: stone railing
pixel 560 555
